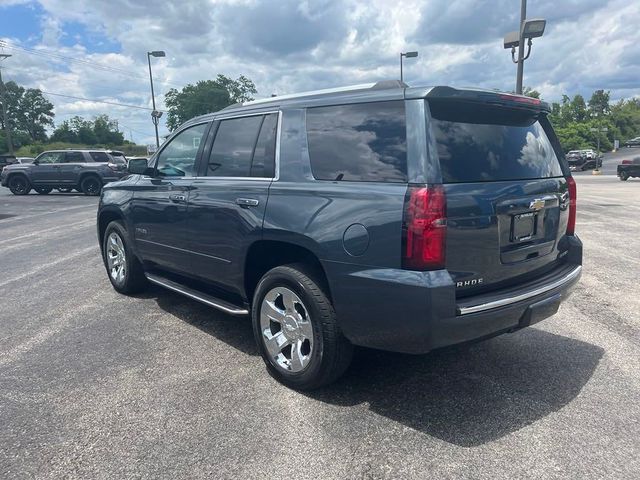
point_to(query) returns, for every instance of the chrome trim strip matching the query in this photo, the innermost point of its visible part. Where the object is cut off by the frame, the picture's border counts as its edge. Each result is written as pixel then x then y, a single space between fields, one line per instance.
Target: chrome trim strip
pixel 231 116
pixel 232 311
pixel 277 154
pixel 268 179
pixel 184 250
pixel 523 296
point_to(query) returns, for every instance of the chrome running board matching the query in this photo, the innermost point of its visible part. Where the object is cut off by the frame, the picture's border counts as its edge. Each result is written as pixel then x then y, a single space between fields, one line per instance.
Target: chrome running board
pixel 197 295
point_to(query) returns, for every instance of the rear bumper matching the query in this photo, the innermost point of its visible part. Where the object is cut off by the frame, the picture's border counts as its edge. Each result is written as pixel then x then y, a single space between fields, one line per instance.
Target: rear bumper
pixel 415 312
pixel 487 317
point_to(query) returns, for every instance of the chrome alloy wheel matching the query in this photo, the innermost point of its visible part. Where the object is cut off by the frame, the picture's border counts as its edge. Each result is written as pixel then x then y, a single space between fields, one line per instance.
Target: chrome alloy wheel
pixel 286 329
pixel 116 258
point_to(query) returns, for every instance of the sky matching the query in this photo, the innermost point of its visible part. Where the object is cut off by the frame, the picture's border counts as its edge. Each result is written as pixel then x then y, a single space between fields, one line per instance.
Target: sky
pixel 287 46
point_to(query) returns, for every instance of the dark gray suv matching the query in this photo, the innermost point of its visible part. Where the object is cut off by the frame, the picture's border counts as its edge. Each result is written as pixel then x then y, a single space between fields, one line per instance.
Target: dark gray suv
pixel 84 170
pixel 397 218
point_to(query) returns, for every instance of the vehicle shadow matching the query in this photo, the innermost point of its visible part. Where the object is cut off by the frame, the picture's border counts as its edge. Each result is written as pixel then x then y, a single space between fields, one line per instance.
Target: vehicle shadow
pixel 470 395
pixel 467 395
pixel 234 331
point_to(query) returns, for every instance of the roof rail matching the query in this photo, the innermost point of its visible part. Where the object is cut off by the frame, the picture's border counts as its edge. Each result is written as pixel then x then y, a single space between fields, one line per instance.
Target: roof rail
pixel 385 84
pixel 362 86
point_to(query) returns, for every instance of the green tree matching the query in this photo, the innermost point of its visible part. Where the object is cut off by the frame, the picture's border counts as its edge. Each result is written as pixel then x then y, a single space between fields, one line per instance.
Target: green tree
pixel 578 109
pixel 12 95
pixel 206 96
pixel 625 115
pixel 599 103
pixel 106 131
pixel 84 130
pixel 530 92
pixel 64 133
pixel 29 113
pixel 99 131
pixel 35 114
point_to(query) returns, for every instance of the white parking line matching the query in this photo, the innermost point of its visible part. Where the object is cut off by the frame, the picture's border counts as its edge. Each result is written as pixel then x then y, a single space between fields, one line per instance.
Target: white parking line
pixel 49 230
pixel 50 212
pixel 50 264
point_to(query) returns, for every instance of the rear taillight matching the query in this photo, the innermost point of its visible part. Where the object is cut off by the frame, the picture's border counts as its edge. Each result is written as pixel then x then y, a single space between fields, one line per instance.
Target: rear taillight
pixel 573 196
pixel 424 228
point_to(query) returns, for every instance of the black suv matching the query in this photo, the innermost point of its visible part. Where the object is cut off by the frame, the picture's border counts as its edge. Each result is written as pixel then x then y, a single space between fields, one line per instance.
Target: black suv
pixel 398 218
pixel 85 170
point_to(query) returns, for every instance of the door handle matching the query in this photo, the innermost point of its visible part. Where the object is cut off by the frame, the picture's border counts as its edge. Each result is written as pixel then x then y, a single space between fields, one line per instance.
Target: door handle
pixel 247 202
pixel 177 198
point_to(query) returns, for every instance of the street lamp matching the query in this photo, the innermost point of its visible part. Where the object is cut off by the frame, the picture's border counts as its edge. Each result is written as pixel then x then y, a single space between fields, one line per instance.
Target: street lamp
pixel 408 55
pixel 5 119
pixel 529 29
pixel 155 115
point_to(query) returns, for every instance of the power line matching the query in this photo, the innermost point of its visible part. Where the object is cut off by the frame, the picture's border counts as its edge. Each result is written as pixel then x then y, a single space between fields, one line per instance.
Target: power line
pixel 90 63
pixel 99 101
pixel 120 124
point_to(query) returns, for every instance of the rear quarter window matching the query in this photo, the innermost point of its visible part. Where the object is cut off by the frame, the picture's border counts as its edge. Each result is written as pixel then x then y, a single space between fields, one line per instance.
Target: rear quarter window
pixel 100 156
pixel 481 144
pixel 364 142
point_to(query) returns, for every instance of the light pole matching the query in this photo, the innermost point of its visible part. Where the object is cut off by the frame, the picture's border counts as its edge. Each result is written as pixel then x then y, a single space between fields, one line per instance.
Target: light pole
pixel 528 29
pixel 598 131
pixel 155 115
pixel 408 55
pixel 3 98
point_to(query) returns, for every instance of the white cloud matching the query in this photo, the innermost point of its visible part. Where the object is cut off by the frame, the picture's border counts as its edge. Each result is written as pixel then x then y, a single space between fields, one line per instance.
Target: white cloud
pixel 286 46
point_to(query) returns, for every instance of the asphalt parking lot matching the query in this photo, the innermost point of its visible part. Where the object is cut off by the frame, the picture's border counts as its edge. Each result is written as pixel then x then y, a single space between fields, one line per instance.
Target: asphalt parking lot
pixel 98 385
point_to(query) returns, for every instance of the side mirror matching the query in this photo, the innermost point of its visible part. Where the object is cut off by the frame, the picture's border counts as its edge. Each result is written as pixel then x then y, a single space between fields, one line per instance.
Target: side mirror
pixel 139 166
pixel 36 162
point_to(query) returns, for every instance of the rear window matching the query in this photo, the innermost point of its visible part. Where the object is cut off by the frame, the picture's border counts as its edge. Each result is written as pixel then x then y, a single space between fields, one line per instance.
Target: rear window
pixel 484 143
pixel 99 156
pixel 365 142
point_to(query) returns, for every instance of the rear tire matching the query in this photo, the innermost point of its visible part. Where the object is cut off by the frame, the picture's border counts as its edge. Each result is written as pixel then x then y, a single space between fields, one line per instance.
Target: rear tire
pixel 91 185
pixel 296 329
pixel 43 190
pixel 19 185
pixel 123 267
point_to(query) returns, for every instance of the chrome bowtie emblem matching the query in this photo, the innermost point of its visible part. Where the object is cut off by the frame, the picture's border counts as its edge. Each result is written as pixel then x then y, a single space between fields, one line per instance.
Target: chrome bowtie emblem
pixel 537 204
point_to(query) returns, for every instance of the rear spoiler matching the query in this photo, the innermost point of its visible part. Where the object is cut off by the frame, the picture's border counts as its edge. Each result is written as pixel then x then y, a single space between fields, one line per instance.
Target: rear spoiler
pixel 489 97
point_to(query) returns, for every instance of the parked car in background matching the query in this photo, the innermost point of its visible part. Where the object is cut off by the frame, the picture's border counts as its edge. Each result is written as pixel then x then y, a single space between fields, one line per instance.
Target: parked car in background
pixel 6 159
pixel 321 218
pixel 137 158
pixel 580 160
pixel 24 159
pixel 84 170
pixel 629 168
pixel 633 142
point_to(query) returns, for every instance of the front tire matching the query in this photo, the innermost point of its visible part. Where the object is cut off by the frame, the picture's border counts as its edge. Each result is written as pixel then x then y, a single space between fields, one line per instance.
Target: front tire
pixel 123 267
pixel 296 329
pixel 624 176
pixel 19 185
pixel 91 185
pixel 43 190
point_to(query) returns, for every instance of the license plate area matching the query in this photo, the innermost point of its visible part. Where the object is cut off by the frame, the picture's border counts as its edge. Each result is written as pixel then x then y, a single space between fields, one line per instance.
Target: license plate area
pixel 524 227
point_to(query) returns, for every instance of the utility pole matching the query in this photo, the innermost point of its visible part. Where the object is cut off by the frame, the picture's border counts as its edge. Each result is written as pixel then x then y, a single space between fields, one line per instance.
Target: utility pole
pixel 521 59
pixel 3 99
